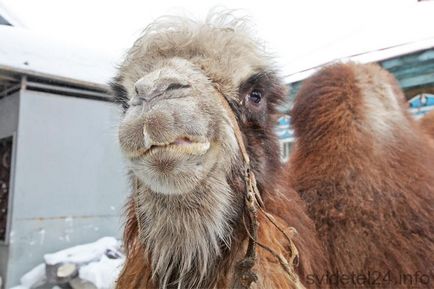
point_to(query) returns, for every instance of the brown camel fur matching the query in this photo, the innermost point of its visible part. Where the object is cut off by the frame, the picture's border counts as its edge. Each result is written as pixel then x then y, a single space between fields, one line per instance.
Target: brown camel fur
pixel 185 216
pixel 365 169
pixel 427 123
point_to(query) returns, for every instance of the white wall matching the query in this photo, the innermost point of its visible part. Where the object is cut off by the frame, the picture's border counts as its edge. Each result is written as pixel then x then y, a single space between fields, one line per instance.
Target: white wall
pixel 70 183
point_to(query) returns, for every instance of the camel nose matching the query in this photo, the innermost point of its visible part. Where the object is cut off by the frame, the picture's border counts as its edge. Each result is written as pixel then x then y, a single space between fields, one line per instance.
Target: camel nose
pixel 157 83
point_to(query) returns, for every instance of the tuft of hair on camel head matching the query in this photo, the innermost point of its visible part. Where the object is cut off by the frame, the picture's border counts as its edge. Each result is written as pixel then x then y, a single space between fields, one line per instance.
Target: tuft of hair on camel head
pixel 173 85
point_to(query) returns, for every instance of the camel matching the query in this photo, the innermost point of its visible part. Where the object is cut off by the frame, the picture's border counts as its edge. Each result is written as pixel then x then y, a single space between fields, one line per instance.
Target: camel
pixel 427 123
pixel 199 105
pixel 365 170
pixel 211 204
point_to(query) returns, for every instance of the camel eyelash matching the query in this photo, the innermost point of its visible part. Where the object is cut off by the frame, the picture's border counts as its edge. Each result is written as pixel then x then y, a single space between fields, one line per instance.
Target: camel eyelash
pixel 256 82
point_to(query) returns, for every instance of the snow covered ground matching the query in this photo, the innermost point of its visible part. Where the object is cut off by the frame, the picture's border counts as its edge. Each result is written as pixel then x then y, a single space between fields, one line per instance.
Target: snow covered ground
pixel 90 266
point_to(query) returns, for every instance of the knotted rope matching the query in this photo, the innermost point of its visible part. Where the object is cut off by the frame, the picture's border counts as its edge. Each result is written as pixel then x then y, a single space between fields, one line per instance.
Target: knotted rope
pixel 244 273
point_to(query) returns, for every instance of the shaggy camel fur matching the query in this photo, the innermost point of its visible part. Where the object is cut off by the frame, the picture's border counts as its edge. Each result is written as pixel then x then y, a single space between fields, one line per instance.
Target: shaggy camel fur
pixel 365 169
pixel 185 218
pixel 427 123
pixel 361 164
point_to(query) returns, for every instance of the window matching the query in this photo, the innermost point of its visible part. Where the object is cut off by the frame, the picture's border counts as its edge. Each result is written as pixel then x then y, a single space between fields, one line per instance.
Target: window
pixel 5 175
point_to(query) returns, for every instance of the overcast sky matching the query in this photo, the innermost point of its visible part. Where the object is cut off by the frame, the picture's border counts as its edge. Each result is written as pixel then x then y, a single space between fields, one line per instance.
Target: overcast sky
pixel 293 29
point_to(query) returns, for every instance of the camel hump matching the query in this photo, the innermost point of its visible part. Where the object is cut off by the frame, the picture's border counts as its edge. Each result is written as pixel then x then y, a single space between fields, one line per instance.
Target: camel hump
pixel 427 124
pixel 349 99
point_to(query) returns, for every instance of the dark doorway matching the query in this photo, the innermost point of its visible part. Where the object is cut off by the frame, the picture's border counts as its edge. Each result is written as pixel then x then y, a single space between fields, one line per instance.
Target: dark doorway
pixel 5 175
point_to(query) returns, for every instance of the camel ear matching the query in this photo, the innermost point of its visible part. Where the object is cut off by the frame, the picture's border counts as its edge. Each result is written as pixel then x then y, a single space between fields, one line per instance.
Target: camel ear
pixel 120 95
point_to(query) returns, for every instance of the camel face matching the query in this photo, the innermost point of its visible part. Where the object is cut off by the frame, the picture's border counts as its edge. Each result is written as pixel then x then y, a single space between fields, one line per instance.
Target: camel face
pixel 176 132
pixel 173 133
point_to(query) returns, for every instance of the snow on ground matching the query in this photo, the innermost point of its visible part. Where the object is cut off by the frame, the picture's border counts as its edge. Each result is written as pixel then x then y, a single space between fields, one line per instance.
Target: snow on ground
pixel 83 254
pixel 34 277
pixel 102 274
pixel 99 263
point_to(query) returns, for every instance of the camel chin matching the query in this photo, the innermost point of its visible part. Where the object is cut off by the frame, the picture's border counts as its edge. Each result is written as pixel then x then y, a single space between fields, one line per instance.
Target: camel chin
pixel 174 168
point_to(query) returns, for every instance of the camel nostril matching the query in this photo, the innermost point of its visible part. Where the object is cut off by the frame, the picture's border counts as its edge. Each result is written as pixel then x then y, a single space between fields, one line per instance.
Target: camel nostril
pixel 174 86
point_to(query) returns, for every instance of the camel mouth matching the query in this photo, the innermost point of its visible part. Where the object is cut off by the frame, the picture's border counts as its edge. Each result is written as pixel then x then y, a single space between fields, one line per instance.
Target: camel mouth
pixel 193 146
pixel 182 145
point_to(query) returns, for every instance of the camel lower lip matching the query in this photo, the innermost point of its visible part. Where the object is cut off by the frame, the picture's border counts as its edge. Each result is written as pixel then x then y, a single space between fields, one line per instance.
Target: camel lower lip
pixel 181 146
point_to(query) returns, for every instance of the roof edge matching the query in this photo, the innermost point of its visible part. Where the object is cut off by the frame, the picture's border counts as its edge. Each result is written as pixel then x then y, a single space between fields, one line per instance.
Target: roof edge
pixel 66 80
pixel 367 57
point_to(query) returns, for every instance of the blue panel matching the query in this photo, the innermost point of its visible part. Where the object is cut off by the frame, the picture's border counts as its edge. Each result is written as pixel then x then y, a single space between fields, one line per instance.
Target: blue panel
pixel 421 101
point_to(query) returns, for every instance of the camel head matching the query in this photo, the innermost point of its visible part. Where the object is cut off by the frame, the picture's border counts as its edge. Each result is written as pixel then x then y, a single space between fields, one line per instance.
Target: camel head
pixel 179 142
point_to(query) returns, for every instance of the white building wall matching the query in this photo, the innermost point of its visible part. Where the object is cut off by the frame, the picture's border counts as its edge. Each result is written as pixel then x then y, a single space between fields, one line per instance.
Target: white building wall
pixel 70 181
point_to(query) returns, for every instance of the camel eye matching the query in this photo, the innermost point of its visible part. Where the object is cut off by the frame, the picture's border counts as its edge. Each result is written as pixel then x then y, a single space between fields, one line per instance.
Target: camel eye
pixel 255 96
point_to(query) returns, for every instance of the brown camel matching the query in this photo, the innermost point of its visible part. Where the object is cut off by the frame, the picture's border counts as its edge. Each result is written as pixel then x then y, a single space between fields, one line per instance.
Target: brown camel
pixel 200 100
pixel 192 94
pixel 365 169
pixel 427 123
